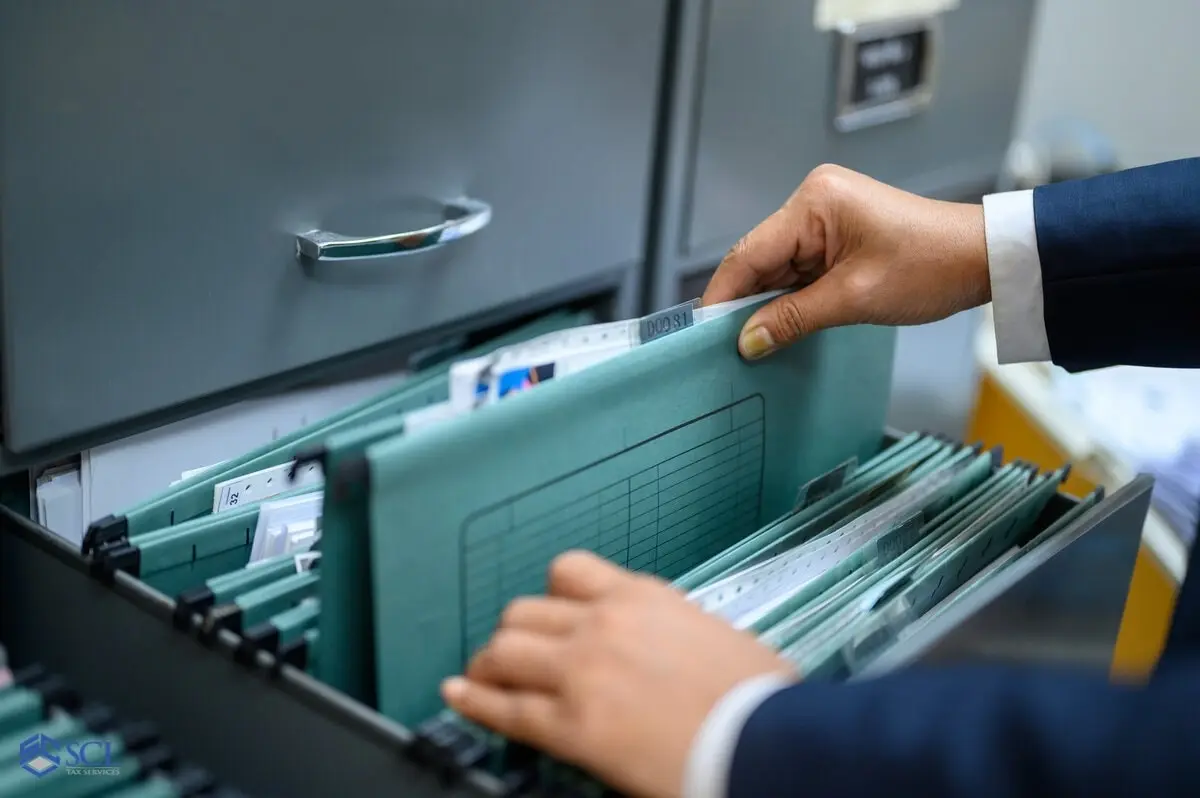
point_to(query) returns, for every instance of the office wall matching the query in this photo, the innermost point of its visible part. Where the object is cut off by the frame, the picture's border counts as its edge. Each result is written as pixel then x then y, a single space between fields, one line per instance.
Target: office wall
pixel 1129 68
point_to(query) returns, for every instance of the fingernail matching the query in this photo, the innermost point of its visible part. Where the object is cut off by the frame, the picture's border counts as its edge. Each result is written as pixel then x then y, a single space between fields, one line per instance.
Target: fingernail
pixel 756 343
pixel 453 688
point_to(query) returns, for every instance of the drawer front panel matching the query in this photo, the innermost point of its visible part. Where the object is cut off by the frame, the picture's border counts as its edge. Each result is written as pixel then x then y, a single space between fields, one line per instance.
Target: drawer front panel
pixel 157 161
pixel 765 112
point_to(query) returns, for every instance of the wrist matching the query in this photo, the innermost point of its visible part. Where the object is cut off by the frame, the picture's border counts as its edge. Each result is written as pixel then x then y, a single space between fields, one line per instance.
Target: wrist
pixel 968 249
pixel 710 758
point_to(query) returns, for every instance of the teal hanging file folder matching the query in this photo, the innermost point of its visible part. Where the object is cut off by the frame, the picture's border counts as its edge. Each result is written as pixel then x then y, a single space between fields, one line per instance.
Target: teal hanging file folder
pixel 193 497
pixel 658 459
pixel 347 604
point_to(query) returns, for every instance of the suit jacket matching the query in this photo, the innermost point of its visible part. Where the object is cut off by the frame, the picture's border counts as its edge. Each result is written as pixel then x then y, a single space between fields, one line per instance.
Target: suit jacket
pixel 1120 264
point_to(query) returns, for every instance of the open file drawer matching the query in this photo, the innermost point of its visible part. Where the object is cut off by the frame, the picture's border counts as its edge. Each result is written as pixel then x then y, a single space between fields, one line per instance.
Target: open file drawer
pixel 275 731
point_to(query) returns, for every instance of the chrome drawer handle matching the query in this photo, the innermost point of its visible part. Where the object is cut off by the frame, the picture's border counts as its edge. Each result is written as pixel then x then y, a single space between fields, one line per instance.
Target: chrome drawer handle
pixel 463 218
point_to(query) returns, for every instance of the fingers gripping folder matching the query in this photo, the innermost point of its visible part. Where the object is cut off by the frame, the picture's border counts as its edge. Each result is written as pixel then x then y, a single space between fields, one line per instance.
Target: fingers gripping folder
pixel 759 488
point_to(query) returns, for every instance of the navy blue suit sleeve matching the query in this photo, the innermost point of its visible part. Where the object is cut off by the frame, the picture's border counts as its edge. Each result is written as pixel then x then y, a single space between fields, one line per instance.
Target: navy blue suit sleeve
pixel 973 733
pixel 1120 258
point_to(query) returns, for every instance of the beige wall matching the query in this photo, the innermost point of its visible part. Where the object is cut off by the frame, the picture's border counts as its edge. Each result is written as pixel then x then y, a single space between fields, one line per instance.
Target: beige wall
pixel 1130 67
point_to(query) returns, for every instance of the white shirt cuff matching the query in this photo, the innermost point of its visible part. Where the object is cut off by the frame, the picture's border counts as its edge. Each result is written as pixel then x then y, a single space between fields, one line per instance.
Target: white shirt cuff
pixel 706 774
pixel 1016 274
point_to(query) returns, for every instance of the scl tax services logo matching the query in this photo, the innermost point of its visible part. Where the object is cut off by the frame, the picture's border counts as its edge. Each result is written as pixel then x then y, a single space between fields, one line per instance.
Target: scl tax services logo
pixel 39 755
pixel 42 755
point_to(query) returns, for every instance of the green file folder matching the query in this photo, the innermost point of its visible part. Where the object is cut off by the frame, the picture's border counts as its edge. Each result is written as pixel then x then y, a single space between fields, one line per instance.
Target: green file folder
pixel 259 605
pixel 347 604
pixel 1009 557
pixel 833 591
pixel 193 497
pixel 882 473
pixel 897 532
pixel 851 643
pixel 282 630
pixel 181 557
pixel 658 459
pixel 227 587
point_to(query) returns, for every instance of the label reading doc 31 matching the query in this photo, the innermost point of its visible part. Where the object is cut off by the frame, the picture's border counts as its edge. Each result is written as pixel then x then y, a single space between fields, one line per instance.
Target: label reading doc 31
pixel 665 322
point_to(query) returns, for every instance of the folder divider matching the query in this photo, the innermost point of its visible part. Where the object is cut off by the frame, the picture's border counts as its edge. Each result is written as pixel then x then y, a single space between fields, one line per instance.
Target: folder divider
pixel 852 647
pixel 820 530
pixel 1041 538
pixel 904 531
pixel 754 589
pixel 953 539
pixel 808 527
pixel 880 471
pixel 1066 519
pixel 813 607
pixel 946 523
pixel 816 608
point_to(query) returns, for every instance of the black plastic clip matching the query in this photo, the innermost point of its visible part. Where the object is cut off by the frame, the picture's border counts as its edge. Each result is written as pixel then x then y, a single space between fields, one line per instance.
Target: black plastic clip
pixel 448 749
pixel 294 653
pixel 138 735
pixel 55 692
pixel 263 637
pixel 114 557
pixel 520 769
pixel 226 616
pixel 314 455
pixel 189 604
pixel 108 529
pixel 350 476
pixel 96 718
pixel 157 759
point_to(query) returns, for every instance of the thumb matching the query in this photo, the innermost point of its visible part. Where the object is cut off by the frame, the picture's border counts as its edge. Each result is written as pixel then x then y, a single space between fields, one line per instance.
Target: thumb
pixel 789 318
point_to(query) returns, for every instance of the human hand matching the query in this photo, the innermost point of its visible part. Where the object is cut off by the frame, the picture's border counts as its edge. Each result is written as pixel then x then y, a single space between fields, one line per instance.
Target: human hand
pixel 612 672
pixel 860 252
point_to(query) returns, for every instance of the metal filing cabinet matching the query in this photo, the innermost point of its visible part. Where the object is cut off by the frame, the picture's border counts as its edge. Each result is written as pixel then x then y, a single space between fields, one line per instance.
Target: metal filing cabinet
pixel 160 167
pixel 756 103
